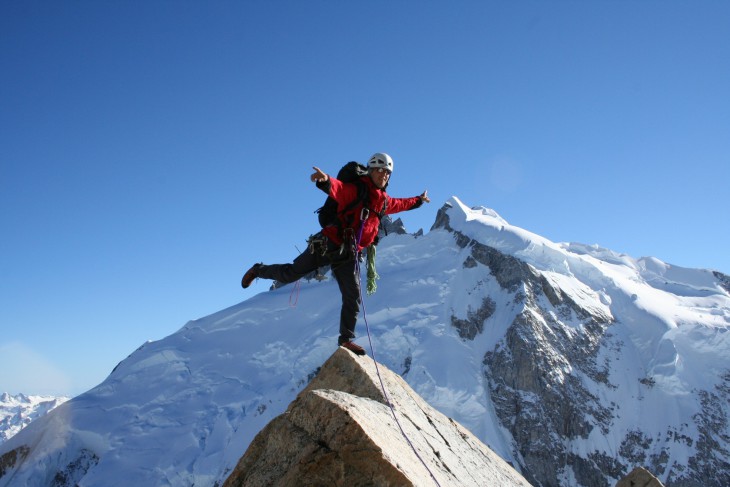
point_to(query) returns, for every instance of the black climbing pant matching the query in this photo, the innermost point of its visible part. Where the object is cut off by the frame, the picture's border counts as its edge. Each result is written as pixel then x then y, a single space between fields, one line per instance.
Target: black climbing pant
pixel 321 252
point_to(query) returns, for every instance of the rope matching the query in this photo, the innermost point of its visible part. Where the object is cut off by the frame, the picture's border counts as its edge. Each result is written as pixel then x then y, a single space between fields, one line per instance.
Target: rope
pixel 294 294
pixel 377 369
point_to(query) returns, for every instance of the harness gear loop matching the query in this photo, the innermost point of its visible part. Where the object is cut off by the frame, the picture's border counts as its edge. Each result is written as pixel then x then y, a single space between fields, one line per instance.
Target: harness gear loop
pixel 317 244
pixel 342 253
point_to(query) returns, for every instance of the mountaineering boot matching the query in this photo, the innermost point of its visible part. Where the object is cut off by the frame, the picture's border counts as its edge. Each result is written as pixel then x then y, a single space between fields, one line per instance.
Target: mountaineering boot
pixel 353 347
pixel 250 275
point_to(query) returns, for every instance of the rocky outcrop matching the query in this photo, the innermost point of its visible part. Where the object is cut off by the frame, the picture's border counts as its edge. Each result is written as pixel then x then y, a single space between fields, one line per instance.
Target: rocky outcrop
pixel 388 226
pixel 723 280
pixel 72 474
pixel 11 459
pixel 341 431
pixel 639 477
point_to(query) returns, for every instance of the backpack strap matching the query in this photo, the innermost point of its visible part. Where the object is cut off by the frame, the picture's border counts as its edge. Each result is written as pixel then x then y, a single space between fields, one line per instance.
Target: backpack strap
pixel 364 196
pixel 345 220
pixel 380 218
pixel 384 210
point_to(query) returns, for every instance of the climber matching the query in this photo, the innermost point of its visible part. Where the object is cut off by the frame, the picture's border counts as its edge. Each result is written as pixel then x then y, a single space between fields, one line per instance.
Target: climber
pixel 360 205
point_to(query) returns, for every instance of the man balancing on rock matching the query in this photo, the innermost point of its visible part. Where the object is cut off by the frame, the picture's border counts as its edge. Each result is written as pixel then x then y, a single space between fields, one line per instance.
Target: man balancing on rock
pixel 351 226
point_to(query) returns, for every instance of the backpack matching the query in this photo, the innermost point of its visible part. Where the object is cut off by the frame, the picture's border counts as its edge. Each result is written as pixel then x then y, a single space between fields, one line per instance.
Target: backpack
pixel 349 173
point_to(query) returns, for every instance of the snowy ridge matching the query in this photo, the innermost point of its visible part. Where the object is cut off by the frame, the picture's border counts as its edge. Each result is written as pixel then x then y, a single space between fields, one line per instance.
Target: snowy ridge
pixel 492 325
pixel 603 280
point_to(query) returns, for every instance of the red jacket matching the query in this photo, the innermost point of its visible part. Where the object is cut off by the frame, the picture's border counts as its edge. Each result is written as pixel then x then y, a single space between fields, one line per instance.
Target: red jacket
pixel 345 193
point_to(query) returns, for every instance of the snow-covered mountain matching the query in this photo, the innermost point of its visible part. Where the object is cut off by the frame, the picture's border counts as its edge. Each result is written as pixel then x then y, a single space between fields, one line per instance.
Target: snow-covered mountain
pixel 17 411
pixel 572 362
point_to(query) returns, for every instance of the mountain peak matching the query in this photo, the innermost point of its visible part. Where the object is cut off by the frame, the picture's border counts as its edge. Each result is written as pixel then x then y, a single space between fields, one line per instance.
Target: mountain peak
pixel 340 430
pixel 489 228
pixel 455 208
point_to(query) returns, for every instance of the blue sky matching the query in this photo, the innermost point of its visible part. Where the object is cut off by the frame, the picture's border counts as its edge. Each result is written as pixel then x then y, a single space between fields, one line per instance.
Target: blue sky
pixel 150 152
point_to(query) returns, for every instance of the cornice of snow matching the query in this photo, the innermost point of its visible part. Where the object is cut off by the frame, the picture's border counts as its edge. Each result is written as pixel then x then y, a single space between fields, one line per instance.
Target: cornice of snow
pixel 487 227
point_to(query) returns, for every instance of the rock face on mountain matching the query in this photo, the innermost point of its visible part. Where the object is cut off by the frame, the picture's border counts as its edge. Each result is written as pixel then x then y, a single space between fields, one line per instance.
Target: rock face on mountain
pixel 540 346
pixel 553 377
pixel 639 477
pixel 341 431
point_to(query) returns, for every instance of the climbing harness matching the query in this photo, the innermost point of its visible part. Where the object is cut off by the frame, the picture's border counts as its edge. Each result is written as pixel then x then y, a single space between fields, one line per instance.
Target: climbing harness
pixel 317 244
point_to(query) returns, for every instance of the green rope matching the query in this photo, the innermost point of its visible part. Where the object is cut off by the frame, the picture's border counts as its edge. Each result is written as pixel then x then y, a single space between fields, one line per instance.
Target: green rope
pixel 372 273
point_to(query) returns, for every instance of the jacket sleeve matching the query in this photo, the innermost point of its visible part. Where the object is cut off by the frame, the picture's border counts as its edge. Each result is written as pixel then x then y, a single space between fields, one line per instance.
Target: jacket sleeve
pixel 396 205
pixel 324 185
pixel 341 192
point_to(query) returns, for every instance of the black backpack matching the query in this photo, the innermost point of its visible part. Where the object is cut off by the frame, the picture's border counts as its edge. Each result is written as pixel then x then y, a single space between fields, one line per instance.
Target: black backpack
pixel 349 173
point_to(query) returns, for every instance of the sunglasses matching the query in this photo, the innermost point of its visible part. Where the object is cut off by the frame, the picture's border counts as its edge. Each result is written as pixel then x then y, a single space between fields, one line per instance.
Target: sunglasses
pixel 381 170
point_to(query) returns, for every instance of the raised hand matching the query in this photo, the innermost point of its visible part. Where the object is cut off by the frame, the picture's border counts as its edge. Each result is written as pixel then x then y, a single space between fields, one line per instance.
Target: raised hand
pixel 318 176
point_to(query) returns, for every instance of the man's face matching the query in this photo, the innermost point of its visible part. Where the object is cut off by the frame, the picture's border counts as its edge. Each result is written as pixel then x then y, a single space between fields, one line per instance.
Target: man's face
pixel 380 177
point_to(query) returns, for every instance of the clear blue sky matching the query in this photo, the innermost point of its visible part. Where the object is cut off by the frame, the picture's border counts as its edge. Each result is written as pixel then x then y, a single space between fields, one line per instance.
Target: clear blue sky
pixel 150 152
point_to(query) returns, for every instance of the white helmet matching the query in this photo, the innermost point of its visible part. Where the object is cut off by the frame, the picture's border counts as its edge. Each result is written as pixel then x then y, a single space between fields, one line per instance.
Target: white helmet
pixel 381 159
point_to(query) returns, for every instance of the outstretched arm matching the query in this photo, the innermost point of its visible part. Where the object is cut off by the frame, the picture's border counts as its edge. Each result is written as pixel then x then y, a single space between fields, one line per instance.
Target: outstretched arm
pixel 396 205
